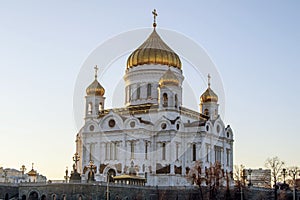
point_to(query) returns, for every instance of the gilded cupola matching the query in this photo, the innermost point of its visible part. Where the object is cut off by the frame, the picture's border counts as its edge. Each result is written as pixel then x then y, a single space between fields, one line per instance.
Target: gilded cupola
pixel 154 51
pixel 209 95
pixel 169 78
pixel 95 88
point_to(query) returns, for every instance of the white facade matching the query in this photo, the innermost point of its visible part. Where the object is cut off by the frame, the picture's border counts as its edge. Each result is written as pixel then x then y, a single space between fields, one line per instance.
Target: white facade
pixel 153 129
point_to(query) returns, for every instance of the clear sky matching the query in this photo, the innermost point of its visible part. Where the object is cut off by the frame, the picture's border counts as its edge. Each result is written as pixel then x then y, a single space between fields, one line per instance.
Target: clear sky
pixel 43 44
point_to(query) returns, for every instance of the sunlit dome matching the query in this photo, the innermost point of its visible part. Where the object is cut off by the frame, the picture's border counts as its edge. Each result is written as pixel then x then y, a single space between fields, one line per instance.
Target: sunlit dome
pixel 154 51
pixel 169 78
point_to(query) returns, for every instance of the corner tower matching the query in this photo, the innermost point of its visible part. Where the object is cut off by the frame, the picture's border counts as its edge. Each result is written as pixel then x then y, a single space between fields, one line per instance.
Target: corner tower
pixel 209 102
pixel 94 98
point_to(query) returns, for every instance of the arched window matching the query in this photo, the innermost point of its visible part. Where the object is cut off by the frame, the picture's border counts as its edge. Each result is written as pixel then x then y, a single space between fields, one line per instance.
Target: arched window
pixel 165 100
pixel 100 107
pixel 149 88
pixel 206 112
pixel 54 197
pixel 163 151
pixel 90 108
pixel 194 152
pixel 80 197
pixel 138 92
pixel 176 101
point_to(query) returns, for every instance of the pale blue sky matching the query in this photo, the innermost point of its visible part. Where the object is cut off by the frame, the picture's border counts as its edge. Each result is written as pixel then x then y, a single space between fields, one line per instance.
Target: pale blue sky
pixel 254 44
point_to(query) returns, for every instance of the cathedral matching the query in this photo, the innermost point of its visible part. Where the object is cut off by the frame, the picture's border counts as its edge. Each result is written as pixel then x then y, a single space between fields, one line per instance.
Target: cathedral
pixel 153 137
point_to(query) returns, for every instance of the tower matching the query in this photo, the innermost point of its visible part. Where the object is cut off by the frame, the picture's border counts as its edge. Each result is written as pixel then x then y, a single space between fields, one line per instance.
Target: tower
pixel 94 98
pixel 209 102
pixel 146 66
pixel 169 91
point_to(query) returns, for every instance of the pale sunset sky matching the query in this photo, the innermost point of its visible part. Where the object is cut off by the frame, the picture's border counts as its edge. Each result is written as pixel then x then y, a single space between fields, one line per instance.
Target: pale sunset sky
pixel 255 46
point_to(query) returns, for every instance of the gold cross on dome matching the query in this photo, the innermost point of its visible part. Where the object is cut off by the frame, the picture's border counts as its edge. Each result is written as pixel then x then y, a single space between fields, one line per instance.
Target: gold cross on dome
pixel 154 17
pixel 96 71
pixel 208 78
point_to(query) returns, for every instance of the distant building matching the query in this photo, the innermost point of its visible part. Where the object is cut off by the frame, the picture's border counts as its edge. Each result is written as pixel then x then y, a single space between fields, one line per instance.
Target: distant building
pixel 10 175
pixel 258 177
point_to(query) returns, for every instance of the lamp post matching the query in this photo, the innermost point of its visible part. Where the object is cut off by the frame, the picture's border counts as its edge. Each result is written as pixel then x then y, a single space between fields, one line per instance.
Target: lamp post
pixel 249 172
pixel 66 176
pixel 284 174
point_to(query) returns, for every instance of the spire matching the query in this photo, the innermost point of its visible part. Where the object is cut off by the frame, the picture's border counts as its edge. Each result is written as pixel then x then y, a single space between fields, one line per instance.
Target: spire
pixel 96 71
pixel 154 17
pixel 208 80
pixel 32 165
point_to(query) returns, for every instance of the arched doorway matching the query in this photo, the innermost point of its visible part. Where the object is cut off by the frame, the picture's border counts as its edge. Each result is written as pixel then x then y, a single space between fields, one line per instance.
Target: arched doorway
pixel 23 197
pixel 33 196
pixel 43 197
pixel 6 196
pixel 110 174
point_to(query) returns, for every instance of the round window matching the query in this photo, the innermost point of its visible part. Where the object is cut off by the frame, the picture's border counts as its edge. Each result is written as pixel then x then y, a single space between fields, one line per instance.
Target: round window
pixel 111 123
pixel 132 124
pixel 163 125
pixel 92 127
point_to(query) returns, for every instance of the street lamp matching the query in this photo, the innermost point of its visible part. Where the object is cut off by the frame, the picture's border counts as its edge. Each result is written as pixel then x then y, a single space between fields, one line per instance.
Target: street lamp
pixel 249 172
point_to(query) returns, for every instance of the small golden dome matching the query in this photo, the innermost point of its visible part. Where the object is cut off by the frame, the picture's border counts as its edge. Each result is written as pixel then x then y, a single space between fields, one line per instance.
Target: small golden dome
pixel 154 51
pixel 209 96
pixel 169 78
pixel 32 172
pixel 95 89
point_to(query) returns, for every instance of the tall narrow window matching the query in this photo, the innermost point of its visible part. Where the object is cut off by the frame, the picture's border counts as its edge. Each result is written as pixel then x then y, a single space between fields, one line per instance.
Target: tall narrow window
pixel 165 100
pixel 218 153
pixel 193 152
pixel 138 92
pixel 163 151
pixel 177 149
pixel 207 153
pixel 149 88
pixel 146 150
pixel 90 108
pixel 130 92
pixel 227 157
pixel 176 101
pixel 132 149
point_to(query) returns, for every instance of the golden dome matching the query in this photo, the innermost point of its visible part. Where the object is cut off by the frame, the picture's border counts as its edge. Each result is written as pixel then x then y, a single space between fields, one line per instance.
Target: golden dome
pixel 209 95
pixel 32 172
pixel 154 51
pixel 95 89
pixel 169 78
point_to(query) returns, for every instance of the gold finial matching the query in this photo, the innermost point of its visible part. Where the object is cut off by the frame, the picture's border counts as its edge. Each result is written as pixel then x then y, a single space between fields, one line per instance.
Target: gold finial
pixel 208 78
pixel 96 71
pixel 154 17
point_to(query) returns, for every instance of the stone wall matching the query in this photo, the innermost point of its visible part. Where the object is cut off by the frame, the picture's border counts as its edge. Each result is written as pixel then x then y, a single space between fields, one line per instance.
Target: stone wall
pixel 8 191
pixel 97 191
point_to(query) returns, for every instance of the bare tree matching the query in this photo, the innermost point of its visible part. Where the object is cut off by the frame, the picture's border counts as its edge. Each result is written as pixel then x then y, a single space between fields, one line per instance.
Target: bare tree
pixel 239 175
pixel 276 166
pixel 293 172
